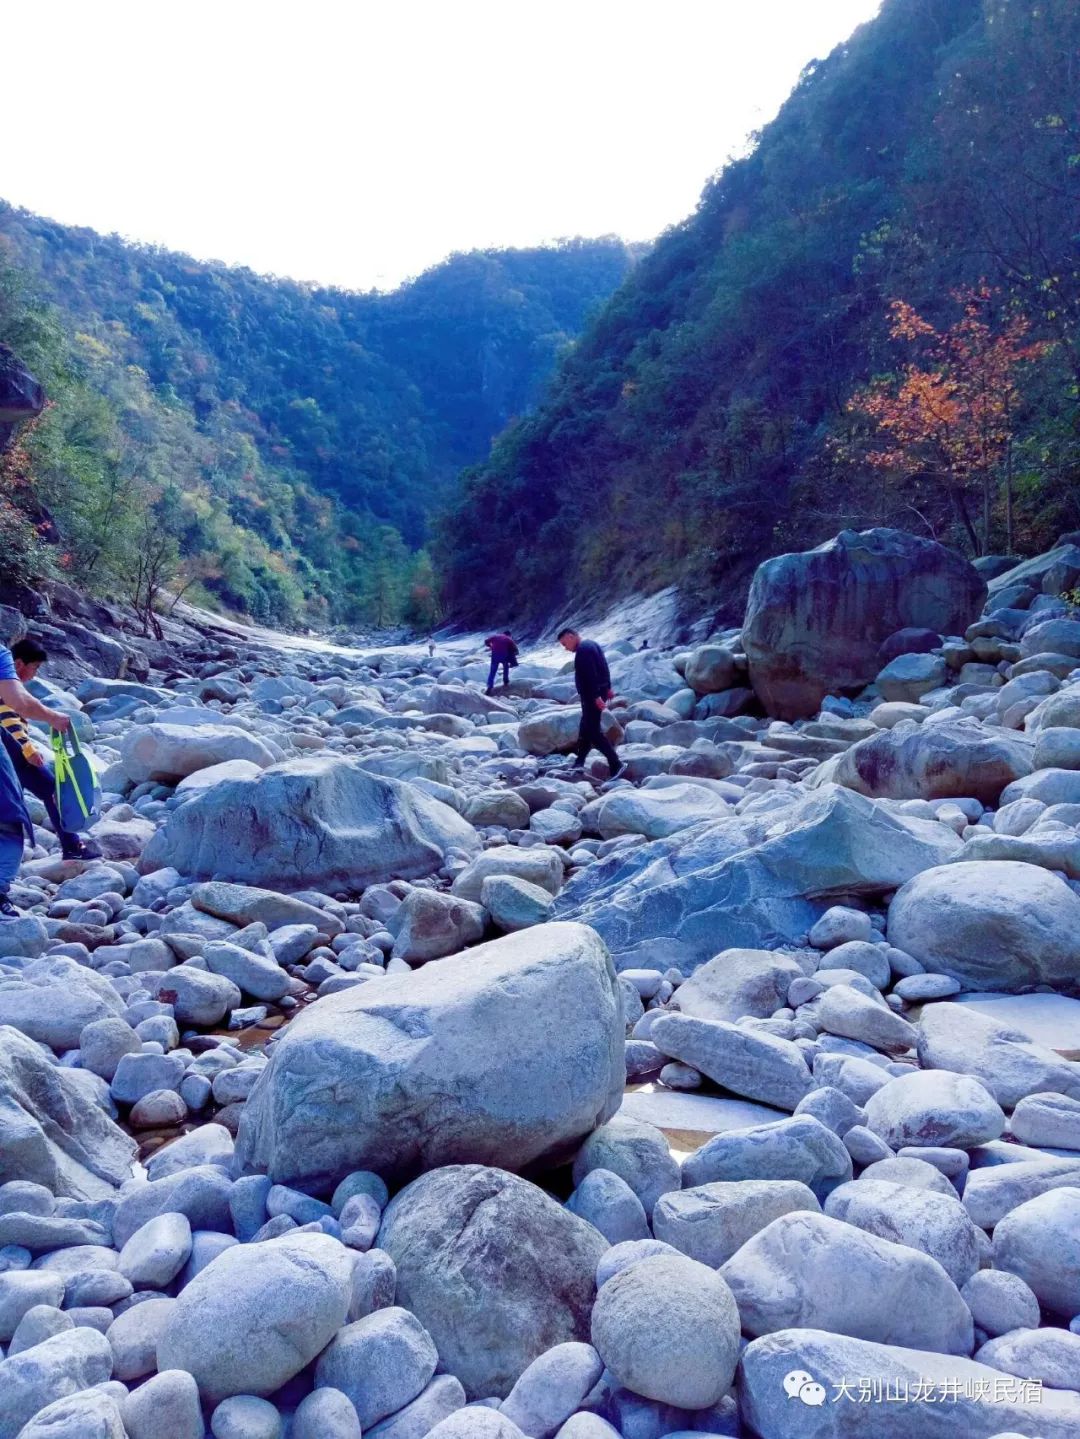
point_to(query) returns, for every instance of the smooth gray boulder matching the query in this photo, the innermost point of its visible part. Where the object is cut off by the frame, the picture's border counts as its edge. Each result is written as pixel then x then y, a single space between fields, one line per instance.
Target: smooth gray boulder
pixel 960 1399
pixel 934 1107
pixel 507 1054
pixel 1047 1120
pixel 737 983
pixel 170 752
pixel 257 1314
pixel 657 813
pixel 993 1191
pixel 936 1224
pixel 325 1414
pixel 166 1406
pixel 322 823
pixel 53 999
pixel 1003 926
pixel 799 1148
pixel 809 1270
pixel 957 1038
pixel 515 903
pixel 245 904
pixel 815 621
pixel 54 1369
pixel 1040 1242
pixel 381 1363
pixel 667 1328
pixel 1047 1356
pixel 432 925
pixel 541 865
pixel 552 1388
pixel 638 1153
pixel 748 1062
pixel 953 758
pixel 711 1222
pixel 1000 1302
pixel 495 1270
pixel 92 1414
pixel 51 1131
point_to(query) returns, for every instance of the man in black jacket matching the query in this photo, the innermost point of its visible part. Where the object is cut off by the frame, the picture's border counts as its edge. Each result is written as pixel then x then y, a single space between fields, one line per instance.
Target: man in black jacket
pixel 592 680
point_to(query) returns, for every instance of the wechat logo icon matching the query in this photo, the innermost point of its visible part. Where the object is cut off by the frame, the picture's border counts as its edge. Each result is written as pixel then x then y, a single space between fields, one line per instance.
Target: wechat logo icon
pixel 800 1385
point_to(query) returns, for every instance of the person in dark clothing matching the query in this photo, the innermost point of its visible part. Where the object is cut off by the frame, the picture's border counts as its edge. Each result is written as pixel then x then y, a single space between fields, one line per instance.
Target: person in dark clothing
pixel 592 680
pixel 30 768
pixel 503 652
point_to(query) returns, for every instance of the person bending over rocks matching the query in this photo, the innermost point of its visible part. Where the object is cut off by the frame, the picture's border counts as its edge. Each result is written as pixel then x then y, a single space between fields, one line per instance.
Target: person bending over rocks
pixel 592 680
pixel 15 825
pixel 33 773
pixel 503 652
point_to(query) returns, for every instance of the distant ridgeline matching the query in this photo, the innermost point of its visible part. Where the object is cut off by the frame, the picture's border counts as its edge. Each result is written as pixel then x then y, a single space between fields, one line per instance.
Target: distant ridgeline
pixel 873 317
pixel 283 445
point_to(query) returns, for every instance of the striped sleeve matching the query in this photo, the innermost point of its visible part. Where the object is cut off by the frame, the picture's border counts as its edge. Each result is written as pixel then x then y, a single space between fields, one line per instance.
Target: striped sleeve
pixel 12 722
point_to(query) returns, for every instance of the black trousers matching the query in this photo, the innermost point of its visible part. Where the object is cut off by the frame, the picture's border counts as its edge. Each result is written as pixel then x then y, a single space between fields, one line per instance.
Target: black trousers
pixel 591 735
pixel 40 782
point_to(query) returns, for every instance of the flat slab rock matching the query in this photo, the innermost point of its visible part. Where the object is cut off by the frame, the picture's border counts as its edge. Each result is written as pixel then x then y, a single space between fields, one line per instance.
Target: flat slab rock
pixel 1050 1019
pixel 689 1120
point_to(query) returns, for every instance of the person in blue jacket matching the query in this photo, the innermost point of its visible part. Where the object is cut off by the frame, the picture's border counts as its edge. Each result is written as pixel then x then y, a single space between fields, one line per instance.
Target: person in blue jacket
pixel 15 825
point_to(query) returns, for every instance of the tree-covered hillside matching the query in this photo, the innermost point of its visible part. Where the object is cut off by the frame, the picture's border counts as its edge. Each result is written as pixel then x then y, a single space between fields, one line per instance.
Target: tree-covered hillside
pixel 290 441
pixel 750 387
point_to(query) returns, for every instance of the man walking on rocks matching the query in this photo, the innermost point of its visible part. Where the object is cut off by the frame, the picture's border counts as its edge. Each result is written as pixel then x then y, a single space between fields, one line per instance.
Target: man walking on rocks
pixel 15 825
pixel 592 679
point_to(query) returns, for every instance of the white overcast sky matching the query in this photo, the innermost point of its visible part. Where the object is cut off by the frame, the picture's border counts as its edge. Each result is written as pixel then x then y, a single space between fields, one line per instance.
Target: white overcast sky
pixel 357 142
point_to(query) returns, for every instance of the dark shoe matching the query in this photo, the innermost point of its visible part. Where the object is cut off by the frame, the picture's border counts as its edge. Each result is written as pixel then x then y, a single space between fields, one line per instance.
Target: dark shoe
pixel 489 692
pixel 82 849
pixel 8 910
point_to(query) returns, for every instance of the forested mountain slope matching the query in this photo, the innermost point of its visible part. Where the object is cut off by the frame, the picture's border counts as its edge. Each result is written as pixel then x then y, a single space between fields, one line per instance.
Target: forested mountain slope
pixel 733 398
pixel 293 440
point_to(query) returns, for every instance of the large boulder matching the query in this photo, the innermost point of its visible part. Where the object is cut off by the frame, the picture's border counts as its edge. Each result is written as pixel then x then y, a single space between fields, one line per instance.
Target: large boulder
pixel 808 1270
pixel 510 1053
pixel 680 900
pixel 957 1038
pixel 815 620
pixel 51 1131
pixel 495 1270
pixel 320 823
pixel 168 752
pixel 1001 926
pixel 710 670
pixel 555 731
pixel 923 1395
pixel 657 813
pixel 54 999
pixel 951 758
pixel 257 1314
pixel 737 983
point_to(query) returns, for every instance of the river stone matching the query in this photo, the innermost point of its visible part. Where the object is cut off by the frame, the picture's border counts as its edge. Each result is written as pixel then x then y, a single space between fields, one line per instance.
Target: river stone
pixel 910 676
pixel 1047 1120
pixel 164 1407
pixel 552 1388
pixel 254 974
pixel 196 995
pixel 1048 1356
pixel 155 1254
pixel 934 1108
pixel 392 1076
pixel 737 983
pixel 957 1037
pixel 93 1414
pixel 326 1414
pixel 994 1190
pixel 245 904
pixel 381 1362
pixel 515 903
pixel 667 1328
pixel 809 1270
pixel 979 1410
pixel 22 1290
pixel 609 1205
pixel 953 758
pixel 555 731
pixel 1001 926
pixel 54 999
pixel 638 1153
pixel 657 813
pixel 431 925
pixel 257 1314
pixel 711 1222
pixel 134 1334
pixel 51 1131
pixel 54 1369
pixel 541 865
pixel 815 621
pixel 1040 1241
pixel 320 823
pixel 494 1269
pixel 200 1192
pixel 1000 1302
pixel 799 1147
pixel 748 1062
pixel 936 1224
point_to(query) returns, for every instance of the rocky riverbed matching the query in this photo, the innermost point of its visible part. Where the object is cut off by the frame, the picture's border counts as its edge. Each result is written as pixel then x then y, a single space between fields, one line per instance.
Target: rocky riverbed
pixel 740 1097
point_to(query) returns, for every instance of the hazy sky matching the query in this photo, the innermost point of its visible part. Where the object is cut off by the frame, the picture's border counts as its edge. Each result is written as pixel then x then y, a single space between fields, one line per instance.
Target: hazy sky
pixel 357 142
